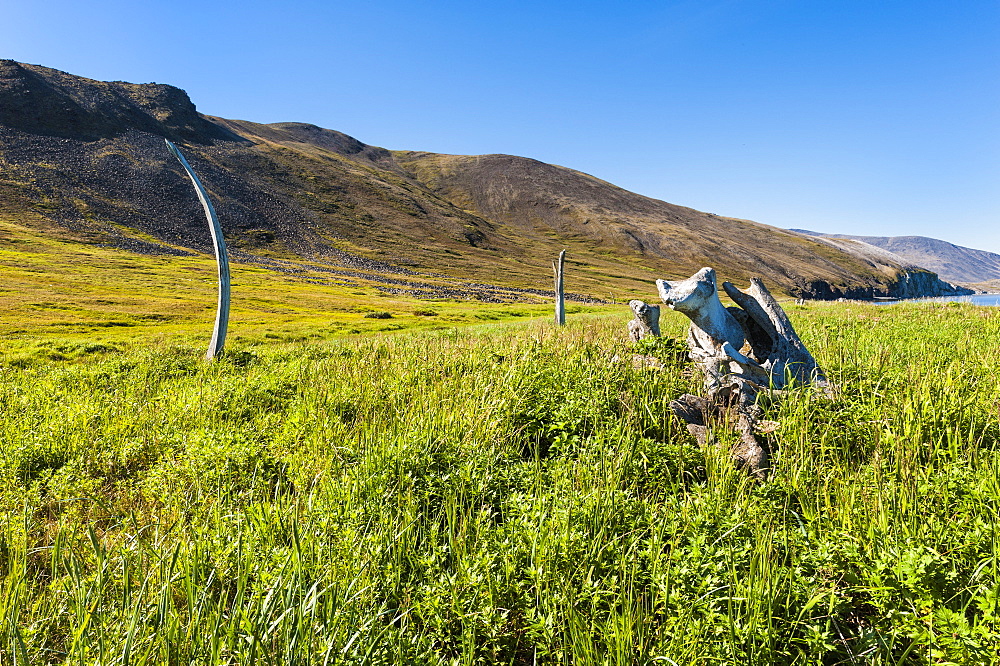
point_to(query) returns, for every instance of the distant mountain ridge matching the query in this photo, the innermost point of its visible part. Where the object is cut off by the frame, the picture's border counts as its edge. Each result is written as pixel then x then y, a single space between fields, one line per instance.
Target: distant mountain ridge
pixel 951 262
pixel 87 158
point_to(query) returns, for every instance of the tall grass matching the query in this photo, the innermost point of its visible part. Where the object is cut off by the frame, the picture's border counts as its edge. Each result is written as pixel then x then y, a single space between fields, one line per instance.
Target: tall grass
pixel 511 495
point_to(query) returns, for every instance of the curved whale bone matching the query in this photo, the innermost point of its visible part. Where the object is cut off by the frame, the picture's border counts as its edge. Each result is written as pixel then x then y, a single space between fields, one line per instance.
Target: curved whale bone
pixel 218 341
pixel 784 353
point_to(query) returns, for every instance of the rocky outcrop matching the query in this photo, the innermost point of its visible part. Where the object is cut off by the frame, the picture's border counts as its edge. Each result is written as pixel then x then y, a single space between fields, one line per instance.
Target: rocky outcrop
pixel 908 284
pixel 47 102
pixel 923 284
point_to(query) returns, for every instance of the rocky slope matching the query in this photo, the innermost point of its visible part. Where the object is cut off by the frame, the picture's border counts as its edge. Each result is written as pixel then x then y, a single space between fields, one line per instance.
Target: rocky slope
pixel 87 158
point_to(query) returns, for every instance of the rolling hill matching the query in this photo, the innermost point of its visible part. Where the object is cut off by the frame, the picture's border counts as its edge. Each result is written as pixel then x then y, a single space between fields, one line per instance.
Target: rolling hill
pixel 951 262
pixel 86 160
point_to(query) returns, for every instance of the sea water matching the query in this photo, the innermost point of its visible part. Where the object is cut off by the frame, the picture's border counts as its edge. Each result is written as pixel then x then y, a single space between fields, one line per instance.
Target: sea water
pixel 974 299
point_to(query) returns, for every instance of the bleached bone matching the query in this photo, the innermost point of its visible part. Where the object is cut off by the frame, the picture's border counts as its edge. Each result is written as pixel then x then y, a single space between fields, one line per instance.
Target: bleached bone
pixel 221 258
pixel 557 268
pixel 646 322
pixel 744 352
pixel 711 324
pixel 783 354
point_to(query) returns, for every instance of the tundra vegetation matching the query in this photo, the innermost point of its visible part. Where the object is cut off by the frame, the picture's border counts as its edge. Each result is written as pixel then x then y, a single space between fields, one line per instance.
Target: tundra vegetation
pixel 504 492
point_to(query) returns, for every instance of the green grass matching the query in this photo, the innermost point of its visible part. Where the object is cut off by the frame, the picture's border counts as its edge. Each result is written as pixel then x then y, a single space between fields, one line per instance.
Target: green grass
pixel 507 493
pixel 59 295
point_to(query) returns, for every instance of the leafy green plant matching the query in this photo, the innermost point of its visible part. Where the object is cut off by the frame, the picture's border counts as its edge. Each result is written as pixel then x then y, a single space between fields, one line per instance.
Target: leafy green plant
pixel 503 494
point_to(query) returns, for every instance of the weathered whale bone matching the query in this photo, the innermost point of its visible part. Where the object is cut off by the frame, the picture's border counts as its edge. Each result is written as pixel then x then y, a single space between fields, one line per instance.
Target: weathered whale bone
pixel 646 322
pixel 557 269
pixel 218 342
pixel 755 341
pixel 744 352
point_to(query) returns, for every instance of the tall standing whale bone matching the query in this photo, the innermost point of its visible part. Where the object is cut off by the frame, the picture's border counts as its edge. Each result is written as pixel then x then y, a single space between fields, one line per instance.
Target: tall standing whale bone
pixel 743 352
pixel 557 269
pixel 218 342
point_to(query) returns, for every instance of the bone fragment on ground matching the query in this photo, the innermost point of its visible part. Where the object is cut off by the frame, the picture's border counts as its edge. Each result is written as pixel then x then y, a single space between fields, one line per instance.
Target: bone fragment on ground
pixel 646 321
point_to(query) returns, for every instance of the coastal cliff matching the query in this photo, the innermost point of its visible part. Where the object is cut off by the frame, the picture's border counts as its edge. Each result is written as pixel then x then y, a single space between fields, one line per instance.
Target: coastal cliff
pixel 913 283
pixel 897 277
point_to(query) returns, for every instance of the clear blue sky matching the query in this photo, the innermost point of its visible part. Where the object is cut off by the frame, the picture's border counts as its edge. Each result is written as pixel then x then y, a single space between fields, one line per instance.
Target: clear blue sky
pixel 852 116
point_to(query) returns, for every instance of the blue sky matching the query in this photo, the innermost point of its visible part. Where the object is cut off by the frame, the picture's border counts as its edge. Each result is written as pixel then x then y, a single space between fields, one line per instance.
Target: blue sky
pixel 864 117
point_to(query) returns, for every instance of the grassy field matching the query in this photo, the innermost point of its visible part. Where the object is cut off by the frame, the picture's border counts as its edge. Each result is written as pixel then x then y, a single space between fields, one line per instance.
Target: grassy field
pixel 506 493
pixel 60 297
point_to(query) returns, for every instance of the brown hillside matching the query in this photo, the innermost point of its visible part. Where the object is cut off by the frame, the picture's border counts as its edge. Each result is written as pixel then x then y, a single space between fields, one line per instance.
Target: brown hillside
pixel 547 203
pixel 87 157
